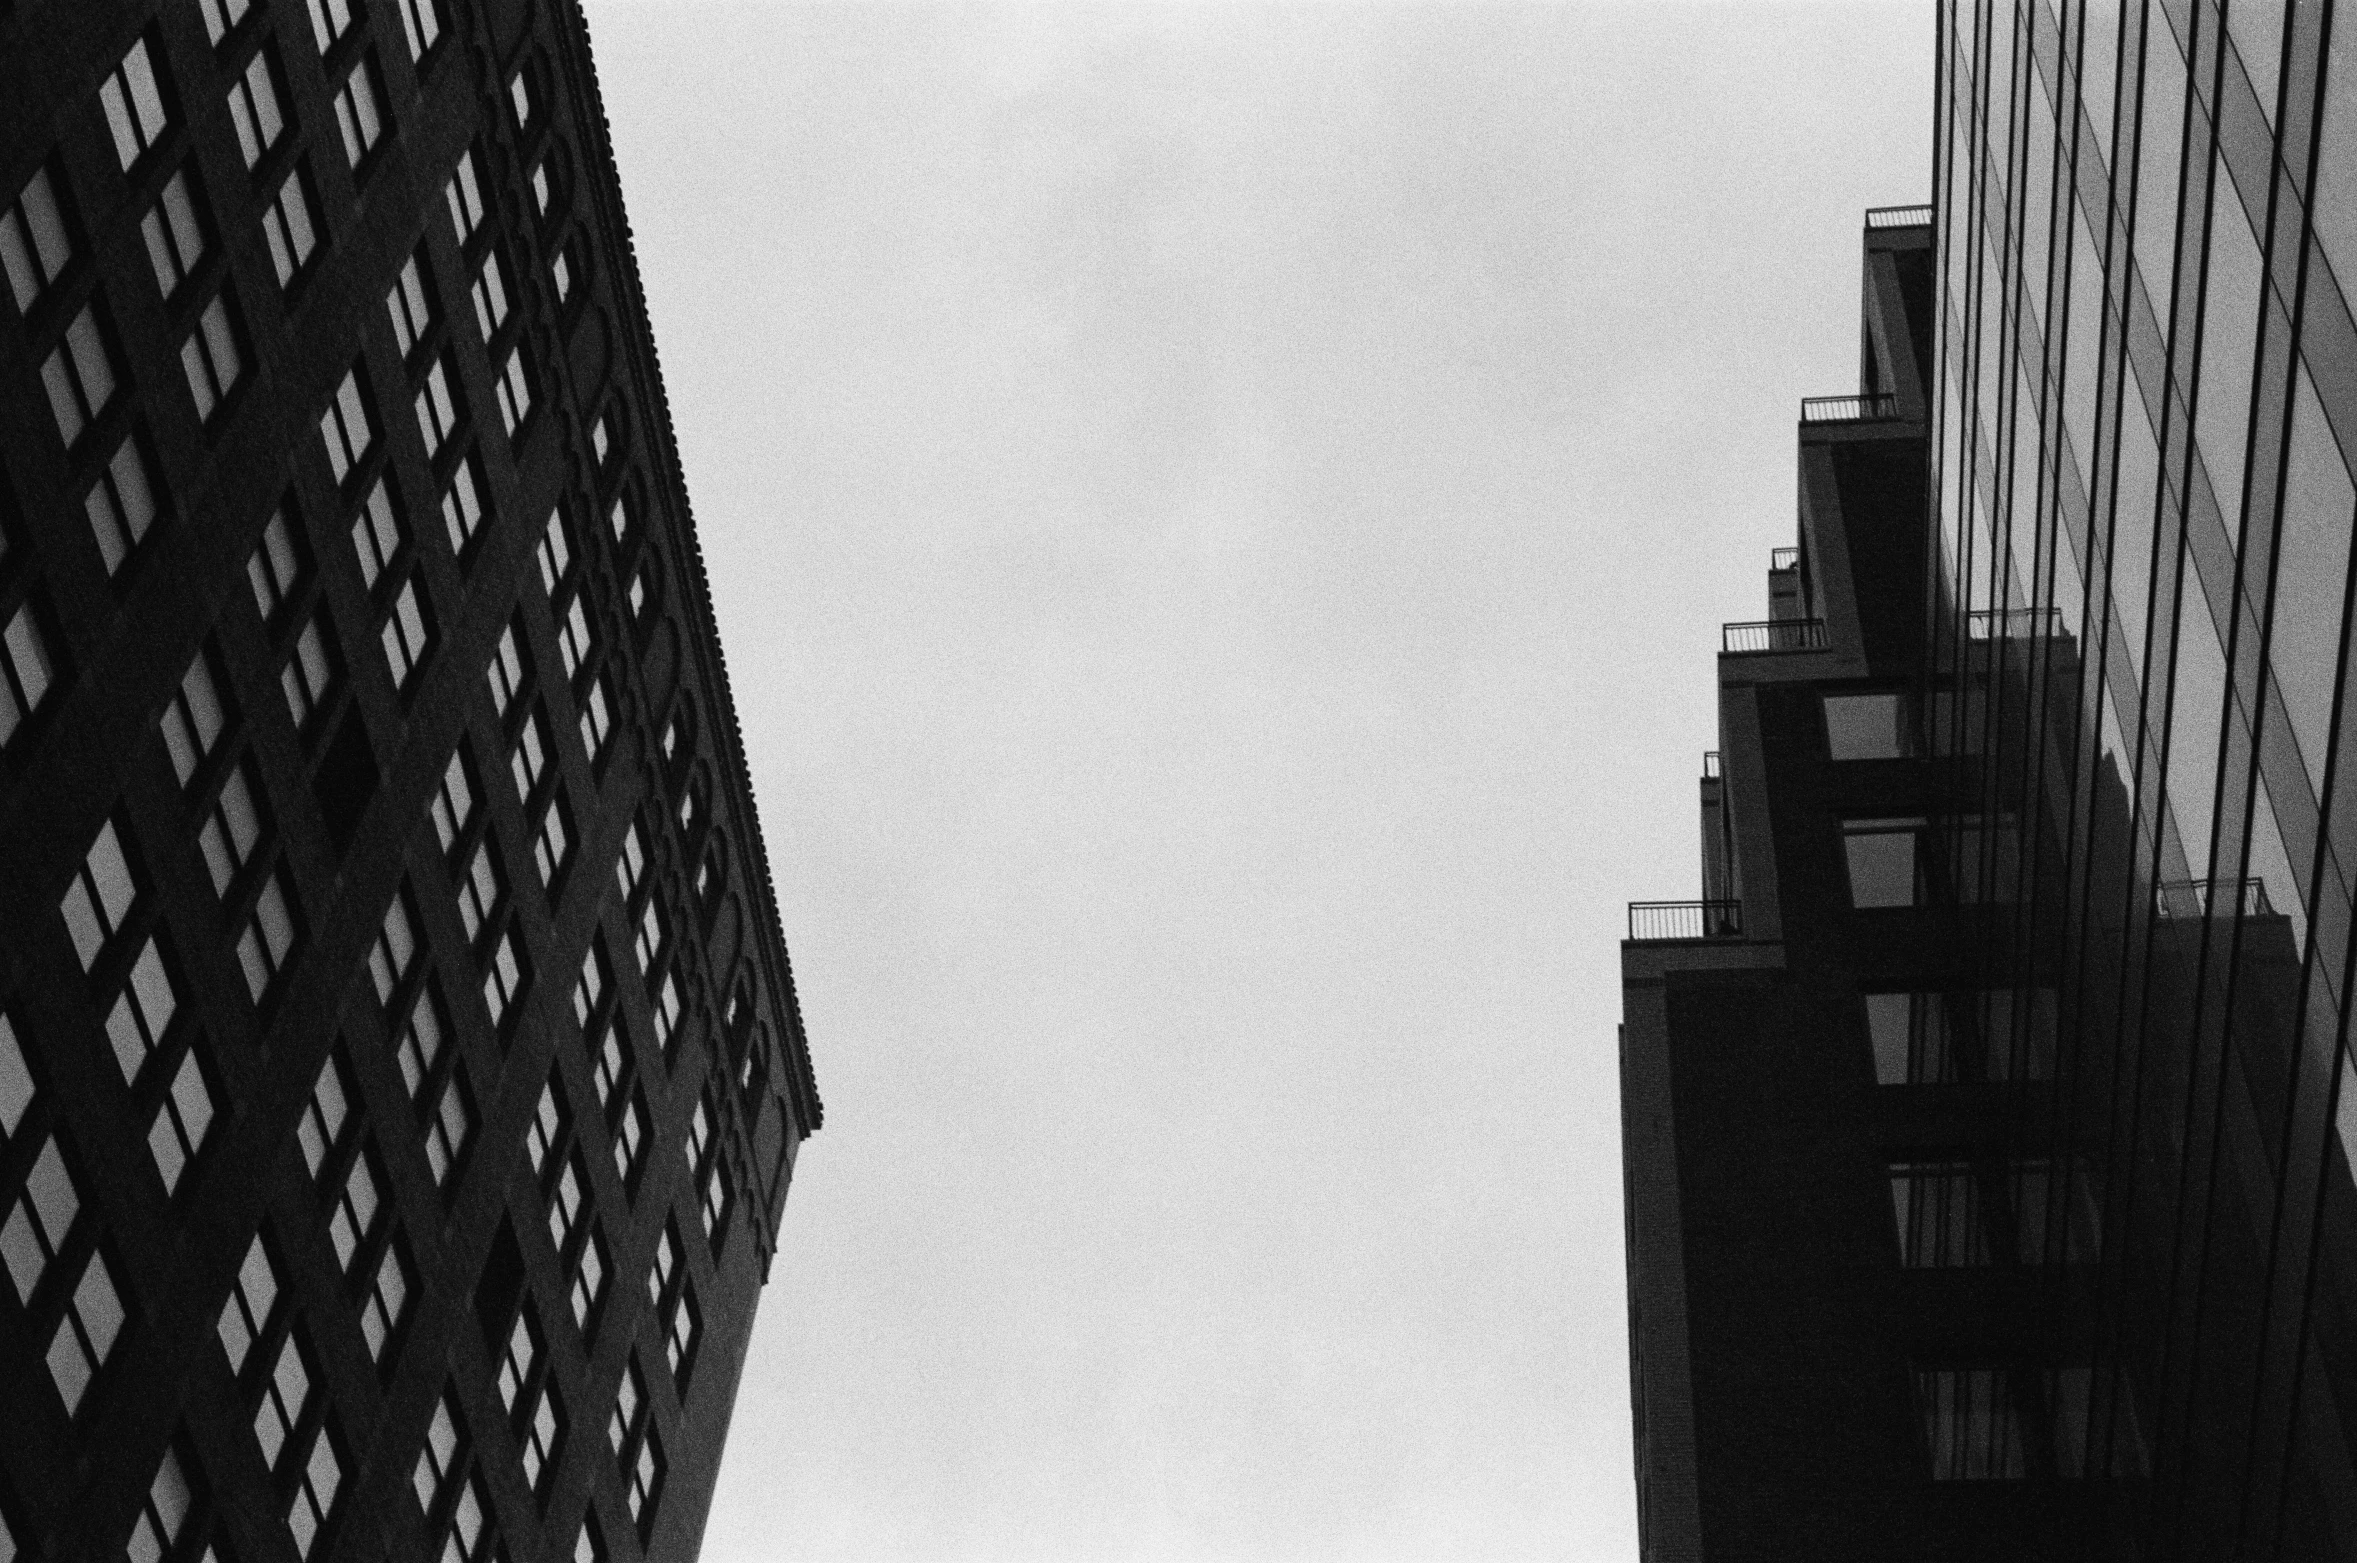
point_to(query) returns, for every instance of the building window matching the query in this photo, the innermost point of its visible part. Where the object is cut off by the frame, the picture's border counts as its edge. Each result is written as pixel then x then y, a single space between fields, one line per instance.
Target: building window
pixel 388 1299
pixel 222 17
pixel 565 1199
pixel 553 842
pixel 357 115
pixel 2017 1032
pixel 26 670
pixel 618 517
pixel 447 1129
pixel 666 1261
pixel 36 1228
pixel 629 1396
pixel 437 409
pixel 514 389
pixel 574 640
pixel 16 1083
pixel 134 103
pixel 344 428
pixel 506 673
pixel 612 1067
pixel 589 1279
pixel 178 1133
pixel 174 233
pixel 309 675
pixel 164 1516
pixel 719 1195
pixel 269 935
pixel 286 1398
pixel 590 1547
pixel 555 552
pixel 530 761
pixel 35 243
pixel 541 1435
pixel 407 635
pixel 210 358
pixel 543 188
pixel 421 25
pixel 121 504
pixel 290 223
pixel 330 20
pixel 376 535
pixel 395 947
pixel 275 571
pixel 245 1317
pixel 667 1011
pixel 504 977
pixel 560 270
pixel 314 1498
pixel 462 504
pixel 321 1130
pixel 437 1461
pixel 454 801
pixel 193 721
pixel 646 1484
pixel 546 1130
pixel 630 1138
pixel 86 1335
pixel 469 1540
pixel 419 1046
pixel 253 107
pixel 1884 857
pixel 597 720
pixel 1941 1221
pixel 515 1364
pixel 232 828
pixel 464 195
pixel 519 97
pixel 79 375
pixel 353 1220
pixel 141 1014
pixel 411 304
pixel 1865 727
pixel 479 890
pixel 687 1324
pixel 490 295
pixel 649 943
pixel 699 1135
pixel 590 987
pixel 100 897
pixel 1971 1424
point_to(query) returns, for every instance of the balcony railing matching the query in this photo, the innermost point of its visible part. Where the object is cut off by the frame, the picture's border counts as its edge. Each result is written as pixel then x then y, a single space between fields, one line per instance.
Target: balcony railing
pixel 1745 640
pixel 1783 558
pixel 1898 217
pixel 1710 765
pixel 2012 624
pixel 1848 409
pixel 1658 920
pixel 2212 898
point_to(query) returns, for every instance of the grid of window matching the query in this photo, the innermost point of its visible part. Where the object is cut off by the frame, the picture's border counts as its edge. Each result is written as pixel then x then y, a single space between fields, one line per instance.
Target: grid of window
pixel 464 196
pixel 254 108
pixel 388 1299
pixel 454 801
pixel 376 534
pixel 309 675
pixel 269 936
pixel 503 978
pixel 276 569
pixel 245 1317
pixel 35 244
pixel 462 504
pixel 344 427
pixel 210 358
pixel 395 948
pixel 134 105
pixel 121 504
pixel 100 897
pixel 37 1225
pixel 290 224
pixel 145 1008
pixel 174 233
pixel 79 375
pixel 406 636
pixel 437 409
pixel 87 1334
pixel 181 1122
pixel 232 829
pixel 26 670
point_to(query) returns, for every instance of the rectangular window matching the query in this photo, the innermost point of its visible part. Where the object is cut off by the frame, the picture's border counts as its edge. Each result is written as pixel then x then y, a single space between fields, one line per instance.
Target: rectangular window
pixel 357 113
pixel 597 720
pixel 454 801
pixel 479 890
pixel 504 976
pixel 462 505
pixel 530 761
pixel 506 672
pixel 388 1300
pixel 35 243
pixel 79 375
pixel 390 957
pixel 437 407
pixel 1909 1032
pixel 121 504
pixel 276 569
pixel 464 195
pixel 192 723
pixel 36 1227
pixel 344 427
pixel 253 107
pixel 291 225
pixel 26 670
pixel 1884 857
pixel 330 20
pixel 490 295
pixel 174 233
pixel 421 25
pixel 134 103
pixel 574 640
pixel 1866 727
pixel 86 1335
pixel 181 1122
pixel 210 358
pixel 1941 1219
pixel 514 389
pixel 245 1317
pixel 269 935
pixel 232 829
pixel 411 304
pixel 1971 1424
pixel 407 635
pixel 100 897
pixel 135 1026
pixel 309 675
pixel 555 552
pixel 222 16
pixel 376 535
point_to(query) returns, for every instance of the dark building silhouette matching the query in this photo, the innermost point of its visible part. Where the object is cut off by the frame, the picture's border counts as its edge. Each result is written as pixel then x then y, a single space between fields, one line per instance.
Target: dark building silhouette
pixel 1987 1151
pixel 400 1070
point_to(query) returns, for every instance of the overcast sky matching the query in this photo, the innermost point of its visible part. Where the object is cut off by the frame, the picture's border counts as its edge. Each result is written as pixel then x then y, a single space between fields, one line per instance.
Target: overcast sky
pixel 1219 517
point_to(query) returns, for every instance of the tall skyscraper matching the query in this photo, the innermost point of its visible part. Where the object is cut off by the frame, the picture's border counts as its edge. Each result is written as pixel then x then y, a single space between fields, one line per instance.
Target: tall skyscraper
pixel 400 1069
pixel 1988 1145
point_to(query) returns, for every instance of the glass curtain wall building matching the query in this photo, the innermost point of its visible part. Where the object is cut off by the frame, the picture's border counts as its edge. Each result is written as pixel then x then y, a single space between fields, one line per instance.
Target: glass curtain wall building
pixel 401 1075
pixel 2143 423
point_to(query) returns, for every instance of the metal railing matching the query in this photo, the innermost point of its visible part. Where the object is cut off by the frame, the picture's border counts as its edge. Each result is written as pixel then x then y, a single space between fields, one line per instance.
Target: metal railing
pixel 1743 640
pixel 2012 623
pixel 2212 898
pixel 1848 409
pixel 1783 558
pixel 1657 920
pixel 1898 216
pixel 1710 765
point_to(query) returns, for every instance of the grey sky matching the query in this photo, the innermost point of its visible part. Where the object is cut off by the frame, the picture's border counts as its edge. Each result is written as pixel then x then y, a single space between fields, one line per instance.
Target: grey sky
pixel 1219 517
